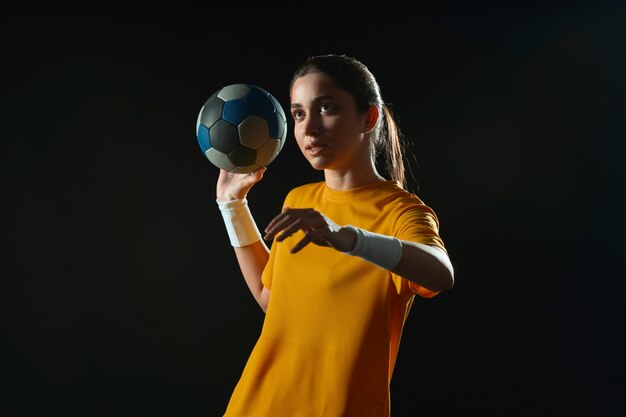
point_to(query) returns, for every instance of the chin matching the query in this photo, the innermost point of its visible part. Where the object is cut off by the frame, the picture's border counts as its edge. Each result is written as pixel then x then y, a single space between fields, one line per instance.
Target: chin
pixel 318 165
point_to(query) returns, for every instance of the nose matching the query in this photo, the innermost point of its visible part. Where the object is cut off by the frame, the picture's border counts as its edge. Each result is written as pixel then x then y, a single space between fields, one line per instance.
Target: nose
pixel 311 124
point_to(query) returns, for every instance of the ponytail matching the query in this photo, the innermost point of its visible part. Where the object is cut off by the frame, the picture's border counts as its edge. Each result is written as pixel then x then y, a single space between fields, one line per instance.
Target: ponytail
pixel 392 144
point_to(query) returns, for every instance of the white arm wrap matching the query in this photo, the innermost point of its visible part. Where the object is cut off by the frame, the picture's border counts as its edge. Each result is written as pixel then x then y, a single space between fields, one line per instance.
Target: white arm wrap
pixel 240 225
pixel 384 251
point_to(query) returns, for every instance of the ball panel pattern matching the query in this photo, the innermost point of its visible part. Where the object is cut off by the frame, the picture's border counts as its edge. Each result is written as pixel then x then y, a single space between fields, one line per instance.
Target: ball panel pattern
pixel 233 92
pixel 259 104
pixel 253 132
pixel 203 138
pixel 224 136
pixel 219 159
pixel 281 124
pixel 211 111
pixel 198 120
pixel 242 156
pixel 235 111
pixel 268 152
pixel 246 170
pixel 282 132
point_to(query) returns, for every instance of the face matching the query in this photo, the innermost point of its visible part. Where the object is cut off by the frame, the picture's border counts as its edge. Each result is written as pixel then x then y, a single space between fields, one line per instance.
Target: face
pixel 328 128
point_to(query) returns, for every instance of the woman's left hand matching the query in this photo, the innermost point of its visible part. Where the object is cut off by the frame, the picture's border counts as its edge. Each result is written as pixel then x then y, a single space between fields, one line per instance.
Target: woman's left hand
pixel 318 229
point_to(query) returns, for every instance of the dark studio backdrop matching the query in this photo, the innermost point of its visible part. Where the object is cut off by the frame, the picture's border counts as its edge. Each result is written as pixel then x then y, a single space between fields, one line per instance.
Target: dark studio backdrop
pixel 121 295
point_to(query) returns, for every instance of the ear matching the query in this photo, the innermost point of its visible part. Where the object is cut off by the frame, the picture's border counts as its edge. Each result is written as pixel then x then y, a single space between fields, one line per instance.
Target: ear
pixel 371 118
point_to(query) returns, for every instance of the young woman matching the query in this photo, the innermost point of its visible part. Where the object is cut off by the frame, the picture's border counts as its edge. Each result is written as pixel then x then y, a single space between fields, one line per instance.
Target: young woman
pixel 348 256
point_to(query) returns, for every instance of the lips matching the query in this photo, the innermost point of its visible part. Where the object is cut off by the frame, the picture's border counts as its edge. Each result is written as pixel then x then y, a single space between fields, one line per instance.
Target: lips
pixel 315 148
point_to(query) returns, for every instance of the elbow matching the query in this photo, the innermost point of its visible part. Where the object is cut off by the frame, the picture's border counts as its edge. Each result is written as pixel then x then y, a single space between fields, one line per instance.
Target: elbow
pixel 262 302
pixel 429 266
pixel 448 280
pixel 447 276
pixel 444 279
pixel 440 283
pixel 263 299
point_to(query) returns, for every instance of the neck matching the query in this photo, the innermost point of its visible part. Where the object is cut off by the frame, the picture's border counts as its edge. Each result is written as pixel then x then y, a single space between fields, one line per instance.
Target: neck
pixel 349 179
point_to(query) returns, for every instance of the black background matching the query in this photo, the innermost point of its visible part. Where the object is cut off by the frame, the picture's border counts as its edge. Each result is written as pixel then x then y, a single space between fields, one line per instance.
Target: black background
pixel 121 295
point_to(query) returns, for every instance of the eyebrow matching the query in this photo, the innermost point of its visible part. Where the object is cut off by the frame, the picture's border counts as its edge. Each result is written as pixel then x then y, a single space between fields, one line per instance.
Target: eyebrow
pixel 315 100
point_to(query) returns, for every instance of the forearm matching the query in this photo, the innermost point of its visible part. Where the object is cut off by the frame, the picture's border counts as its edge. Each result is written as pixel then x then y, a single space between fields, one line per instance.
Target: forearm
pixel 252 260
pixel 252 253
pixel 425 265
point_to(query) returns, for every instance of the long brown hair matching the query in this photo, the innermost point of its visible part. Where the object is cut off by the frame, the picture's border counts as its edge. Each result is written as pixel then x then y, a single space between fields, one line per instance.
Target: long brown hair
pixel 354 77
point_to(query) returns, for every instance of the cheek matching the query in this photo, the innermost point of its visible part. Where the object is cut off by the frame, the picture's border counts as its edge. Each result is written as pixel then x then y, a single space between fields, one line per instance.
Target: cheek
pixel 298 134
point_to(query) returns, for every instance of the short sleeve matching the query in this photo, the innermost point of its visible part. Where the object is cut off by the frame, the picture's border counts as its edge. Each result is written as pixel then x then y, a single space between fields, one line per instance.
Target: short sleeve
pixel 419 223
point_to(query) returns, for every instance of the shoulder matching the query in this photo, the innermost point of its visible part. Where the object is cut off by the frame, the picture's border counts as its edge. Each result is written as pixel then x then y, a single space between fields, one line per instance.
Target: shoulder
pixel 395 197
pixel 403 204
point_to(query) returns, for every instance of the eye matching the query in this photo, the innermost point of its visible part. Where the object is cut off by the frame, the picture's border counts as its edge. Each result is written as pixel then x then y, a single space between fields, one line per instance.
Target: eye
pixel 297 114
pixel 327 107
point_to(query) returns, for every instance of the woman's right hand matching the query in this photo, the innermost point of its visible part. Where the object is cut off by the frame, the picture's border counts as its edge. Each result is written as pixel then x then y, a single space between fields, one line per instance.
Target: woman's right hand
pixel 232 186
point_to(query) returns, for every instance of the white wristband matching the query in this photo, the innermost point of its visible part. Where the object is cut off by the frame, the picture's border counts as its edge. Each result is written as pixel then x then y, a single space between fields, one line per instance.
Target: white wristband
pixel 240 225
pixel 384 251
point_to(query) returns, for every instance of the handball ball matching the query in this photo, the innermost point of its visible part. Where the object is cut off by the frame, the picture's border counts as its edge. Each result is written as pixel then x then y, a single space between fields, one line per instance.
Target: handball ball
pixel 241 127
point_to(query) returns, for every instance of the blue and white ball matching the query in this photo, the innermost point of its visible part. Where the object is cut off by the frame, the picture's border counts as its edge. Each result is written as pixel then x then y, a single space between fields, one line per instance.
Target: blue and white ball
pixel 241 128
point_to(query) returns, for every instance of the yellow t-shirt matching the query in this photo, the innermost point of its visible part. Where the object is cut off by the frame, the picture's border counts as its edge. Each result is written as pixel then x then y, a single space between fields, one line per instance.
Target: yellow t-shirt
pixel 333 324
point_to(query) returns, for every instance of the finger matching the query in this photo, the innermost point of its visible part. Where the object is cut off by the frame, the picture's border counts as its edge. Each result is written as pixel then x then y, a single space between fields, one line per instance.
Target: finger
pixel 284 221
pixel 291 229
pixel 284 213
pixel 308 238
pixel 276 219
